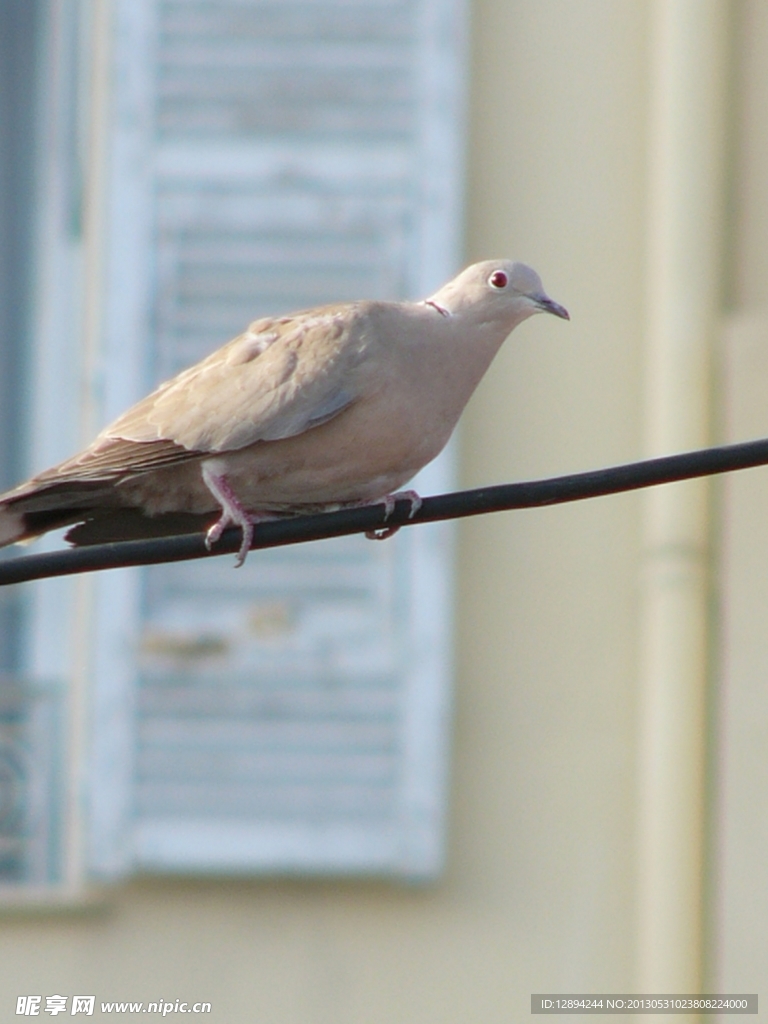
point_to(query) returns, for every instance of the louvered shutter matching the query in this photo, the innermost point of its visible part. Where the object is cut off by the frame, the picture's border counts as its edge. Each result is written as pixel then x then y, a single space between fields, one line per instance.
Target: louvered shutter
pixel 290 716
pixel 33 776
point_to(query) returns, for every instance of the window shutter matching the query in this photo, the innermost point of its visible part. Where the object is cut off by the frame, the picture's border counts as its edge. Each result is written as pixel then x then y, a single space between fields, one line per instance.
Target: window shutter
pixel 290 716
pixel 31 717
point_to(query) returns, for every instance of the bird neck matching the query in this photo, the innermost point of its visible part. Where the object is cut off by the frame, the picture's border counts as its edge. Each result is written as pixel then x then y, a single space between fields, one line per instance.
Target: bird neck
pixel 473 344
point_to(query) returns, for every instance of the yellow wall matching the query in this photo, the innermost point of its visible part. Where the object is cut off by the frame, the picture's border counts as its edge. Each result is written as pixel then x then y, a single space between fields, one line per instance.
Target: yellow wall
pixel 740 834
pixel 539 890
pixel 548 602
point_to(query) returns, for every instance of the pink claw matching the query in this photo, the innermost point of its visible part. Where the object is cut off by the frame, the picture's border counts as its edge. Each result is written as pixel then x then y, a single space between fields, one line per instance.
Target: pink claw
pixel 389 502
pixel 232 513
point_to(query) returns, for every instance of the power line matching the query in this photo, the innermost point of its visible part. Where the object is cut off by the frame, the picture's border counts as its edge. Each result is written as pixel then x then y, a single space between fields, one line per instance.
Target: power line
pixel 297 530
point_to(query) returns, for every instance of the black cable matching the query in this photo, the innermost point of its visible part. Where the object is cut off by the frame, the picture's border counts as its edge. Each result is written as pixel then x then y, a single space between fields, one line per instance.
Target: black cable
pixel 276 533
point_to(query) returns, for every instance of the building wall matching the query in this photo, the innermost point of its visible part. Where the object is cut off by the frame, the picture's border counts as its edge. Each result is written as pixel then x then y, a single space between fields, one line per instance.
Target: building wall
pixel 548 599
pixel 539 893
pixel 740 883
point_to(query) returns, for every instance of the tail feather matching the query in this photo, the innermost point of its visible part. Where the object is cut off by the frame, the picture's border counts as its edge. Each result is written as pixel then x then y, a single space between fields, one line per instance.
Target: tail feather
pixel 11 527
pixel 31 510
pixel 92 508
pixel 112 525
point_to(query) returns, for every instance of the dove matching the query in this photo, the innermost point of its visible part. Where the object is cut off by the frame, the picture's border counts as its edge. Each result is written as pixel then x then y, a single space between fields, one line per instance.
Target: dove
pixel 327 408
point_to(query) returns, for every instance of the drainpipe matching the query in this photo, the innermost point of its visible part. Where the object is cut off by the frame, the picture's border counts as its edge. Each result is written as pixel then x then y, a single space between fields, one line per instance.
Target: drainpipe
pixel 689 41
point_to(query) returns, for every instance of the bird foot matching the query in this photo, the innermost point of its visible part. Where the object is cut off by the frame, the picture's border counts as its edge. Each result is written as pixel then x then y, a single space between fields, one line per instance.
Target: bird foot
pixel 225 520
pixel 389 502
pixel 232 513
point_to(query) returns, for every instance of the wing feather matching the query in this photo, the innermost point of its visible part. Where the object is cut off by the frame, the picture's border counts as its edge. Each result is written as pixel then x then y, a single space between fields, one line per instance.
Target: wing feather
pixel 279 378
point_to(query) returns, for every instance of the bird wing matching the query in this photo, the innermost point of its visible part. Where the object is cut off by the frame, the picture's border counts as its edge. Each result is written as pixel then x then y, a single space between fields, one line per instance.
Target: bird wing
pixel 279 378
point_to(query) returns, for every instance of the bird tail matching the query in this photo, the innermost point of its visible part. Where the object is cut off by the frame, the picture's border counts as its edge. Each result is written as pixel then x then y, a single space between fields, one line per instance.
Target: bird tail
pixel 106 526
pixel 94 511
pixel 37 507
pixel 12 527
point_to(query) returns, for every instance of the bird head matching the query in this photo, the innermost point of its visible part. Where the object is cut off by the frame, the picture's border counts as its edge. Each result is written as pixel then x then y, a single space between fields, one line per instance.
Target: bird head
pixel 499 291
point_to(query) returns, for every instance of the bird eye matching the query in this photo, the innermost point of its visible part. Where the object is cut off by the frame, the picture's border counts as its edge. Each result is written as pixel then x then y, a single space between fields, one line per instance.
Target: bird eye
pixel 498 280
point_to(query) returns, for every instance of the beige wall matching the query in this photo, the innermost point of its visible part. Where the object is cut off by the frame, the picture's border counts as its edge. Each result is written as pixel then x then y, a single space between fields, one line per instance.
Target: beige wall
pixel 548 638
pixel 539 891
pixel 740 892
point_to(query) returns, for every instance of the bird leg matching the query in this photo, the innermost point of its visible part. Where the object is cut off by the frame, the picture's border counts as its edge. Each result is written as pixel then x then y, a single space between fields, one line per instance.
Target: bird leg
pixel 232 512
pixel 389 501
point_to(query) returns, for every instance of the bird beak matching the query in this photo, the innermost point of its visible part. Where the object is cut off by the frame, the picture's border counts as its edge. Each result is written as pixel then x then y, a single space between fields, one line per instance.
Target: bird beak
pixel 547 305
